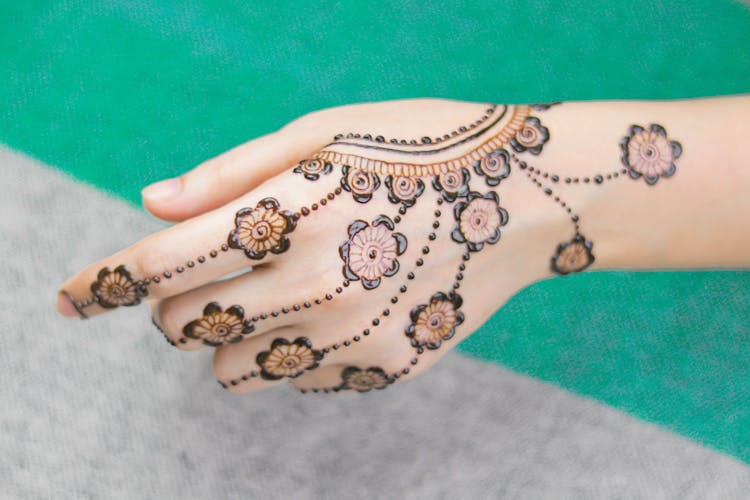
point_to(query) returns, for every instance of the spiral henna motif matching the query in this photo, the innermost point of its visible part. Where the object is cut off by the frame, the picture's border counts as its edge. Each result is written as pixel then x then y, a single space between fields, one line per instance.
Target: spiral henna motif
pixel 373 249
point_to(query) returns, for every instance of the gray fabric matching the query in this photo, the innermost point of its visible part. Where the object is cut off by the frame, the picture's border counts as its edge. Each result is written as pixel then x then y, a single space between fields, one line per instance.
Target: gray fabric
pixel 106 409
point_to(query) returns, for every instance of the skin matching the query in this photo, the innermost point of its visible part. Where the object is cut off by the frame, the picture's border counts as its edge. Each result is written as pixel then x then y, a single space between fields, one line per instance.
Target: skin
pixel 697 218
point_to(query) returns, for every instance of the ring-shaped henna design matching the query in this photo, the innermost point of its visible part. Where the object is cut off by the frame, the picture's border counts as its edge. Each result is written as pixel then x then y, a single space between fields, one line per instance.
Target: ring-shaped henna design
pixel 649 153
pixel 361 184
pixel 117 288
pixel 404 189
pixel 494 167
pixel 262 229
pixel 364 380
pixel 371 251
pixel 288 359
pixel 452 184
pixel 313 168
pixel 572 256
pixel 530 137
pixel 217 327
pixel 436 321
pixel 478 220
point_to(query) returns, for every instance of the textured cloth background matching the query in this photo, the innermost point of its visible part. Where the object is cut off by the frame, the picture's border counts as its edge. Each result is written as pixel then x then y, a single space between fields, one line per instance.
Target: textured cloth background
pixel 107 409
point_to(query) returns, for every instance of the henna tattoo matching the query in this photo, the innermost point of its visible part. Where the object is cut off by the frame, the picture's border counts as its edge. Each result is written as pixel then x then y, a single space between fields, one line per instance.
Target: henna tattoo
pixel 404 190
pixel 360 183
pixel 494 167
pixel 436 321
pixel 371 251
pixel 261 229
pixel 117 288
pixel 217 327
pixel 452 185
pixel 365 380
pixel 288 359
pixel 649 153
pixel 572 256
pixel 313 169
pixel 478 219
pixel 530 137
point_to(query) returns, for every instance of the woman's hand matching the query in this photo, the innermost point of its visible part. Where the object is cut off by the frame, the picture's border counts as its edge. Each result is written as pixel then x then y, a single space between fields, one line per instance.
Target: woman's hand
pixel 379 235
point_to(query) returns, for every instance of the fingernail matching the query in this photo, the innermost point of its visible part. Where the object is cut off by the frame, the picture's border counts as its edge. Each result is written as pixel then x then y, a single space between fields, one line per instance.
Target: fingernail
pixel 65 305
pixel 163 190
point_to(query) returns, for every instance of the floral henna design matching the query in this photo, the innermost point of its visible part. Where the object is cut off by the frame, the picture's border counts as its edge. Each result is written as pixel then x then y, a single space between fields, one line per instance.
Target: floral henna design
pixel 288 359
pixel 453 184
pixel 360 380
pixel 494 167
pixel 479 219
pixel 371 251
pixel 530 137
pixel 313 169
pixel 261 229
pixel 404 190
pixel 360 183
pixel 648 153
pixel 117 288
pixel 217 327
pixel 436 321
pixel 572 256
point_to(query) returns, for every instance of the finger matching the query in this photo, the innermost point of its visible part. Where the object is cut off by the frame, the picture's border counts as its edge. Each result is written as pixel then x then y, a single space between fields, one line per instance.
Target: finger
pixel 355 377
pixel 229 175
pixel 228 311
pixel 262 362
pixel 255 229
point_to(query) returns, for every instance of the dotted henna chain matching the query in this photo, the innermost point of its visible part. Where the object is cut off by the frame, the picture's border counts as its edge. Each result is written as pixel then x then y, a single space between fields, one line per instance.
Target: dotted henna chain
pixel 370 254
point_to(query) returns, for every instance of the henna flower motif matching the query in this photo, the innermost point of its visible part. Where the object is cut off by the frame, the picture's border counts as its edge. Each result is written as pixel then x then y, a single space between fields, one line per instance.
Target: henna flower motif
pixel 313 169
pixel 371 251
pixel 360 183
pixel 453 184
pixel 479 219
pixel 435 322
pixel 217 327
pixel 261 229
pixel 404 190
pixel 288 359
pixel 117 288
pixel 363 380
pixel 649 153
pixel 530 137
pixel 494 167
pixel 572 256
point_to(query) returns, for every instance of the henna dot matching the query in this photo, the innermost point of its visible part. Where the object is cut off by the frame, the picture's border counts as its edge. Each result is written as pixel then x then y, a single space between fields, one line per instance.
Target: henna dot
pixel 456 285
pixel 180 269
pixel 329 296
pixel 264 316
pixel 167 274
pixel 349 135
pixel 183 340
pixel 437 213
pixel 316 390
pixel 296 307
pixel 386 312
pixel 624 171
pixel 616 175
pixel 330 196
pixel 396 375
pixel 440 201
pixel 222 384
pixel 318 301
pixel 255 319
pixel 413 142
pixel 414 361
pixel 426 140
pixel 405 371
pixel 466 256
pixel 586 180
pixel 285 310
pixel 201 259
pixel 609 176
pixel 462 267
pixel 338 136
pixel 337 190
pixel 254 374
pixel 435 224
pixel 420 350
pixel 375 322
pixel 367 137
pixel 402 210
pixel 462 129
pixel 397 219
pixel 598 179
pixel 339 290
pixel 446 137
pixel 575 180
pixel 425 250
pixel 557 198
pixel 314 206
pixel 380 138
pixel 307 305
pixel 432 237
pixel 402 289
pixel 345 283
pixel 403 141
pixel 366 332
pixel 546 175
pixel 323 201
pixel 224 247
pixel 275 314
pixel 146 281
pixel 326 350
pixel 394 299
pixel 356 338
pixel 454 133
pixel 335 347
pixel 357 136
pixel 245 377
pixel 459 276
pixel 156 279
pixel 347 343
pixel 574 218
pixel 569 210
pixel 568 180
pixel 548 191
pixel 555 178
pixel 233 382
pixel 304 211
pixel 303 391
pixel 410 276
pixel 419 262
pixel 524 166
pixel 213 253
pixel 191 263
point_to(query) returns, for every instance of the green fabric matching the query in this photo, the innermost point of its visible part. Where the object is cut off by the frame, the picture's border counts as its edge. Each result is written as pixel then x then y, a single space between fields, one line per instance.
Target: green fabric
pixel 120 94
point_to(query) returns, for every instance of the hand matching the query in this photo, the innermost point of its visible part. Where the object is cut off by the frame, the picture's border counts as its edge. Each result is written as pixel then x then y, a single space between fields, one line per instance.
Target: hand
pixel 379 236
